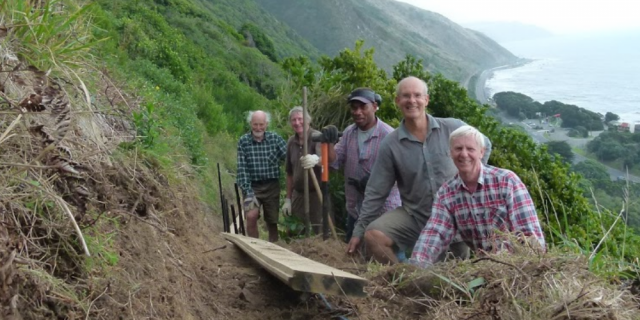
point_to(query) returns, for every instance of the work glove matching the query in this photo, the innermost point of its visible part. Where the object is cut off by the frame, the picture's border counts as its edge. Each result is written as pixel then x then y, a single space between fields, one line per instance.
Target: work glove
pixel 250 202
pixel 330 134
pixel 309 161
pixel 286 208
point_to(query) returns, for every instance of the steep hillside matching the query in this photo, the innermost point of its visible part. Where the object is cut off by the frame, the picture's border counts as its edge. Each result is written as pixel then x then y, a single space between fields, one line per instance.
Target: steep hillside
pixel 394 29
pixel 239 12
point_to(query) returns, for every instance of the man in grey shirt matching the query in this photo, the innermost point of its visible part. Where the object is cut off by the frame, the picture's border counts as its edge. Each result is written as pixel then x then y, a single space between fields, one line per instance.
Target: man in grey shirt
pixel 417 157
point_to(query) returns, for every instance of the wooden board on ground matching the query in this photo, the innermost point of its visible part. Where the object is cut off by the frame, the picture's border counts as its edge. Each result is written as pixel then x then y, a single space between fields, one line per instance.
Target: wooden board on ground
pixel 298 272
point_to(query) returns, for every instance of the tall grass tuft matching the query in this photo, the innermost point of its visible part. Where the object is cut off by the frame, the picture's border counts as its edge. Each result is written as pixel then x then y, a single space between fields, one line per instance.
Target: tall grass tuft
pixel 48 34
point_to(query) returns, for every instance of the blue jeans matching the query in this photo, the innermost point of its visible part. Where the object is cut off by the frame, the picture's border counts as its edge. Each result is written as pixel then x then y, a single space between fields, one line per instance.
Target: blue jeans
pixel 402 257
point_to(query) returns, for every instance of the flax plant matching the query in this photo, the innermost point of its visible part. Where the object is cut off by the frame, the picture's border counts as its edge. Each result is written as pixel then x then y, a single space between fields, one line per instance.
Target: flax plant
pixel 47 34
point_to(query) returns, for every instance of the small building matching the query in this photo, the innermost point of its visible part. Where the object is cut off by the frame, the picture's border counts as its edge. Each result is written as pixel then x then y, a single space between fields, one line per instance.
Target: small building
pixel 624 127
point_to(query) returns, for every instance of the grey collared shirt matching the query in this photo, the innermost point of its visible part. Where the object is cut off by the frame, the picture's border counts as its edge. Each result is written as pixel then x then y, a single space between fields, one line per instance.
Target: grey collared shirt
pixel 419 168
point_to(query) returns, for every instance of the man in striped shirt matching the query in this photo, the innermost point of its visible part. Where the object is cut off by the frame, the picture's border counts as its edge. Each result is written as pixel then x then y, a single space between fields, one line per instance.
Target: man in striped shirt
pixel 357 151
pixel 260 153
pixel 481 204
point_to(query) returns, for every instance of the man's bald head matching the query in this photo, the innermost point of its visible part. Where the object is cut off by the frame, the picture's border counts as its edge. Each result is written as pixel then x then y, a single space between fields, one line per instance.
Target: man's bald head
pixel 258 115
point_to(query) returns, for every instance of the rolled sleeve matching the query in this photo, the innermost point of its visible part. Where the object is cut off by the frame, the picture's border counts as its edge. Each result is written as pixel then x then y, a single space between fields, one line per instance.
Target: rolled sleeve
pixel 340 149
pixel 436 235
pixel 522 211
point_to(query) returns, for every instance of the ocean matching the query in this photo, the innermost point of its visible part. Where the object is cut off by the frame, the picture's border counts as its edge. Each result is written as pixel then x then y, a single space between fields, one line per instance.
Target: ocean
pixel 600 73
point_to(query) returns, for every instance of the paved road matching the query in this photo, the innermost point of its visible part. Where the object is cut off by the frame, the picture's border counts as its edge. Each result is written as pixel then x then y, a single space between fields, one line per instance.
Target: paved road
pixel 539 138
pixel 481 93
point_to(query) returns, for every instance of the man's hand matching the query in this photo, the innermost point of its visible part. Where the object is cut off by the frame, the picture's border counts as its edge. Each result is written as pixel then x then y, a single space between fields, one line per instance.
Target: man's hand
pixel 250 202
pixel 354 243
pixel 286 207
pixel 330 134
pixel 309 161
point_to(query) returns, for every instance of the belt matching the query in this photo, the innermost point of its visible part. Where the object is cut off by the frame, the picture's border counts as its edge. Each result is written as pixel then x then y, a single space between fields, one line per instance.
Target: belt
pixel 263 182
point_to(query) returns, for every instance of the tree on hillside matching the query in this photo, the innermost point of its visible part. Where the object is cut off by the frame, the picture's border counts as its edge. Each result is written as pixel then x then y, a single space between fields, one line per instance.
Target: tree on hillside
pixel 515 103
pixel 611 151
pixel 613 145
pixel 578 132
pixel 356 68
pixel 254 37
pixel 573 116
pixel 610 116
pixel 410 66
pixel 561 148
pixel 300 69
pixel 591 170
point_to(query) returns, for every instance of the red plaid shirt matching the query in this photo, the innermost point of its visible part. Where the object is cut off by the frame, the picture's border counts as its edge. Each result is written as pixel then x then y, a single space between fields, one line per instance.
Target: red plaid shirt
pixel 501 204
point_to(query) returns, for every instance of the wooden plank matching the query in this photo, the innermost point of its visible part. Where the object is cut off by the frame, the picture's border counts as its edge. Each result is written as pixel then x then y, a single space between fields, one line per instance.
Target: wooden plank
pixel 298 272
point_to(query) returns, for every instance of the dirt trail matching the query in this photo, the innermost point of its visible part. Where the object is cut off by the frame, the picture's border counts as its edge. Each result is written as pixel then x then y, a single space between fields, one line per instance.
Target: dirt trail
pixel 193 273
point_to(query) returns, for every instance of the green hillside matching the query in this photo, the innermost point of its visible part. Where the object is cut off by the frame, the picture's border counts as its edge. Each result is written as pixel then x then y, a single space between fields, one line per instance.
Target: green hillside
pixel 394 29
pixel 119 121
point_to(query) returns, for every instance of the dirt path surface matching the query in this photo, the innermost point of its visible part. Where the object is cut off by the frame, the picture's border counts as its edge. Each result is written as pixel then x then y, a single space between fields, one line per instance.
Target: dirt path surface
pixel 193 273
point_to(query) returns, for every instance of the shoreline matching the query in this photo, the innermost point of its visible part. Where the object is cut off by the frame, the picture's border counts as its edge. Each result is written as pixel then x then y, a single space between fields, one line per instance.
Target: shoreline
pixel 481 92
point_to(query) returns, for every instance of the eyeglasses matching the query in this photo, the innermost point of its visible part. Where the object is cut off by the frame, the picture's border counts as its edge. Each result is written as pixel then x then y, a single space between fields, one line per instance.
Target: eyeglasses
pixel 417 96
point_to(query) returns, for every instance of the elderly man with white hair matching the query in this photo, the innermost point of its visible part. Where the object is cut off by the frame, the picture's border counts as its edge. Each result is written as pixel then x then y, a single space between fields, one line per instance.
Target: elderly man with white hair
pixel 260 153
pixel 481 204
pixel 296 167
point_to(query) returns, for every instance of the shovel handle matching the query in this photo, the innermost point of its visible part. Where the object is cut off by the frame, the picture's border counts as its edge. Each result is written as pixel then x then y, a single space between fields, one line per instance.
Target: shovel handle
pixel 325 162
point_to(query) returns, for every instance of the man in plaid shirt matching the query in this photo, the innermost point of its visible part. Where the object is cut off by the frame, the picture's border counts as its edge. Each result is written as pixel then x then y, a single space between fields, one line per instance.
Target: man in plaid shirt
pixel 481 204
pixel 260 153
pixel 357 151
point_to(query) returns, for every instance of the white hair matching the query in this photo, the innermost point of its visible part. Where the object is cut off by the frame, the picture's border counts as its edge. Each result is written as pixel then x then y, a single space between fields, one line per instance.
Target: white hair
pixel 251 113
pixel 401 82
pixel 298 109
pixel 465 131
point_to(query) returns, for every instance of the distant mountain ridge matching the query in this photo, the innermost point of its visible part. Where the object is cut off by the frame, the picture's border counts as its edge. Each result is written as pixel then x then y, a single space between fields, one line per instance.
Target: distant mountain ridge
pixel 394 29
pixel 509 31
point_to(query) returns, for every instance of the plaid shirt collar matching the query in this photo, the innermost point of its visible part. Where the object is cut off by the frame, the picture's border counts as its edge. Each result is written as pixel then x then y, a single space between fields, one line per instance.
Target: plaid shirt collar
pixel 459 184
pixel 253 140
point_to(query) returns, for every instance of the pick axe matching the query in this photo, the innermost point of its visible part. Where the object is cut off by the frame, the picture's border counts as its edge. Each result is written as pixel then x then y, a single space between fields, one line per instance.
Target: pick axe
pixel 323 192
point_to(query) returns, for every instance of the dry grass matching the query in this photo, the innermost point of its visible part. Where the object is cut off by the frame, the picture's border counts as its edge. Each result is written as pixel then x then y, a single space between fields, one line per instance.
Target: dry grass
pixel 524 285
pixel 56 180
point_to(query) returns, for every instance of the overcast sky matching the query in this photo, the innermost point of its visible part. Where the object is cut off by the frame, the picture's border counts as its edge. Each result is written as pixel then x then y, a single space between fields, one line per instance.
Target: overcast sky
pixel 557 16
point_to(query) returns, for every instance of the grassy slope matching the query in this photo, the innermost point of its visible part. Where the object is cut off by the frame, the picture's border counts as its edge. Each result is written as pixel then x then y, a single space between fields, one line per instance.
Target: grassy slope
pixel 394 29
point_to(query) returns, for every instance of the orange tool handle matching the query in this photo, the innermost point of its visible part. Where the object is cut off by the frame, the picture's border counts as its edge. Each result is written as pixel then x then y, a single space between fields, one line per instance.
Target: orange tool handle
pixel 325 162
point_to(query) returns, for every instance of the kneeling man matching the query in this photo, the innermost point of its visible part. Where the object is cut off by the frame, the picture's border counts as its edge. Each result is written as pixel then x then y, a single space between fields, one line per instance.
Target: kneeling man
pixel 480 205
